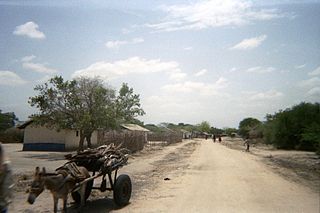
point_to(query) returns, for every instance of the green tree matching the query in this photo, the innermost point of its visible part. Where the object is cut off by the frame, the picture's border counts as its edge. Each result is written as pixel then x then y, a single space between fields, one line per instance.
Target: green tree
pixel 7 120
pixel 230 131
pixel 216 131
pixel 246 125
pixel 84 104
pixel 97 107
pixel 128 105
pixel 204 126
pixel 294 128
pixel 311 135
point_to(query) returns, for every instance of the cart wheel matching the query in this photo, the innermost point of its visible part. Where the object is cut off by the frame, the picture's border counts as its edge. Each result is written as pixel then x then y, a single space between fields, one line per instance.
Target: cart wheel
pixel 76 195
pixel 122 190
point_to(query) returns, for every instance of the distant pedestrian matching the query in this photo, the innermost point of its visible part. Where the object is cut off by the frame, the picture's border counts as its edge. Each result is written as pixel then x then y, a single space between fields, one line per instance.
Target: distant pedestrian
pixel 247 144
pixel 214 138
pixel 6 182
pixel 219 139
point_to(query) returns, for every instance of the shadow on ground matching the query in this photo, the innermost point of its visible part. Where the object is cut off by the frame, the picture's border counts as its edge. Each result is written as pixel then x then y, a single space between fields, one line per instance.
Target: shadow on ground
pixel 48 156
pixel 101 205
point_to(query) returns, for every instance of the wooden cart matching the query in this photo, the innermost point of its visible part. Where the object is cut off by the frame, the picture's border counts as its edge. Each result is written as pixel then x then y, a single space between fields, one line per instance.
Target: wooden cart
pixel 105 166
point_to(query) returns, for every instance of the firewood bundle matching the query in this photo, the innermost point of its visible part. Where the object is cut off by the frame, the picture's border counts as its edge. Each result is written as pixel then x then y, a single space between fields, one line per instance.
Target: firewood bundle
pixel 104 159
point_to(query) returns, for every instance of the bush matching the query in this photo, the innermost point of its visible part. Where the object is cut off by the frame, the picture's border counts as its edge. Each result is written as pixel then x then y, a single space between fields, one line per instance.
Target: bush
pixel 11 135
pixel 248 124
pixel 295 128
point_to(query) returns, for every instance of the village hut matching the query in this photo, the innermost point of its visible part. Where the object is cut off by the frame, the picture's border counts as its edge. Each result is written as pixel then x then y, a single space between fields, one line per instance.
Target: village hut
pixel 185 134
pixel 136 128
pixel 41 138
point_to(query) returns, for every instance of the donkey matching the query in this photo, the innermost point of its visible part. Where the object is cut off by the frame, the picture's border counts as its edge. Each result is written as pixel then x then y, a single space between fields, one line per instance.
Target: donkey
pixel 60 184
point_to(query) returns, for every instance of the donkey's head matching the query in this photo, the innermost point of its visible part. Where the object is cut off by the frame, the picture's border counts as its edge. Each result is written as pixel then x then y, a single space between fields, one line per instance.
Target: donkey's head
pixel 37 185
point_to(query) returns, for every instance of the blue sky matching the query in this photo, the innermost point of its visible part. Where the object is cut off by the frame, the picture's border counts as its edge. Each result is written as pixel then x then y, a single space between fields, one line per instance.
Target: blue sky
pixel 219 61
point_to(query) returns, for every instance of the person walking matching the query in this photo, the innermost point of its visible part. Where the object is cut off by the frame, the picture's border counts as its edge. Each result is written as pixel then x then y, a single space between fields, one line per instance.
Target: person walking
pixel 247 144
pixel 214 138
pixel 6 182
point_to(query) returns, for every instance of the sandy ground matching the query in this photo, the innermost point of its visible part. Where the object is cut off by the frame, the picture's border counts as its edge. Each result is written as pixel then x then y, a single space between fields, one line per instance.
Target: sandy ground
pixel 192 176
pixel 299 166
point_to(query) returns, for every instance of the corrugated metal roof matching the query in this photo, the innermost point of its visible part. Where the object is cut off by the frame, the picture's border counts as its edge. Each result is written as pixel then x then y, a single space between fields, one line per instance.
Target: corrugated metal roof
pixel 25 124
pixel 134 127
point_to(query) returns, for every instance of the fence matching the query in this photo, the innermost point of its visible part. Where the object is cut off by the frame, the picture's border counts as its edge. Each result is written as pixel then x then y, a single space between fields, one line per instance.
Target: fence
pixel 132 140
pixel 165 137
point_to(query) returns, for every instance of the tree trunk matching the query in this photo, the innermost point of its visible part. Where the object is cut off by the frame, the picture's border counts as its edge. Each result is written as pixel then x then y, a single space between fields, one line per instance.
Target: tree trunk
pixel 88 139
pixel 82 137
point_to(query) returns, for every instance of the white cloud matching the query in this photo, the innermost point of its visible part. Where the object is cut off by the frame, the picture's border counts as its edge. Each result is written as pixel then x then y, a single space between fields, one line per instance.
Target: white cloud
pixel 189 87
pixel 221 83
pixel 263 96
pixel 233 69
pixel 260 70
pixel 134 65
pixel 249 43
pixel 177 76
pixel 188 48
pixel 201 72
pixel 314 92
pixel 126 31
pixel 29 29
pixel 28 58
pixel 212 13
pixel 315 72
pixel 137 40
pixel 36 67
pixel 44 79
pixel 189 101
pixel 300 66
pixel 10 78
pixel 199 88
pixel 312 82
pixel 116 44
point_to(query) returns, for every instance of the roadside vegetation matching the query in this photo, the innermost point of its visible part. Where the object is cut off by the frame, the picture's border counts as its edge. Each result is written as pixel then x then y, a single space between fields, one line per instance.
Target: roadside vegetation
pixel 8 132
pixel 295 128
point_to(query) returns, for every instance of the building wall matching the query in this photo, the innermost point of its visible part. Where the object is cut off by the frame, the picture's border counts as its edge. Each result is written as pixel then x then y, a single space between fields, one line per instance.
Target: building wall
pixel 72 138
pixel 41 138
pixel 37 138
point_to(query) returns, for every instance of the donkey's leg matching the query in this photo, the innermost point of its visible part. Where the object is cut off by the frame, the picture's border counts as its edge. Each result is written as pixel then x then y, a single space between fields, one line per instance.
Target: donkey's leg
pixel 83 194
pixel 55 204
pixel 65 201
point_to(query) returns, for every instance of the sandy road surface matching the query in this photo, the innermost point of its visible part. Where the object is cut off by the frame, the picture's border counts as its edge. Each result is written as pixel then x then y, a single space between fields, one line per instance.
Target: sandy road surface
pixel 203 177
pixel 22 161
pixel 147 170
pixel 224 180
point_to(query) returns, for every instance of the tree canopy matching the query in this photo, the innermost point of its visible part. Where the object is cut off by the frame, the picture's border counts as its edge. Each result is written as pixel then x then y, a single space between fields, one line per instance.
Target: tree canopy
pixel 295 128
pixel 84 104
pixel 7 120
pixel 204 126
pixel 128 105
pixel 246 125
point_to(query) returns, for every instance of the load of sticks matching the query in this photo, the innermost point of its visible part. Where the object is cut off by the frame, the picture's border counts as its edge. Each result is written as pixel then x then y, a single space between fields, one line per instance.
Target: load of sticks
pixel 103 159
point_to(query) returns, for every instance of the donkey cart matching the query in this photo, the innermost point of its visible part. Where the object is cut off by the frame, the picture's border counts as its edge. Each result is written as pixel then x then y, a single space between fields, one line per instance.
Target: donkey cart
pixel 104 161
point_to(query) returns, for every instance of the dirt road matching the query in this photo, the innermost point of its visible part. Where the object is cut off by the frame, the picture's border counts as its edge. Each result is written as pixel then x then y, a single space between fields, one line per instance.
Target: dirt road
pixel 192 176
pixel 224 180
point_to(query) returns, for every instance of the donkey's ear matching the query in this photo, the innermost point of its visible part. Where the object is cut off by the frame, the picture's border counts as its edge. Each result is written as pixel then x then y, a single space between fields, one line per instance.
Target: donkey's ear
pixel 43 170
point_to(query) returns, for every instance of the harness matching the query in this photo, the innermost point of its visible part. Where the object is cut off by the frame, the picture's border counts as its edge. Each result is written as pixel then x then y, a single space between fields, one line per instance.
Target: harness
pixel 70 171
pixel 73 170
